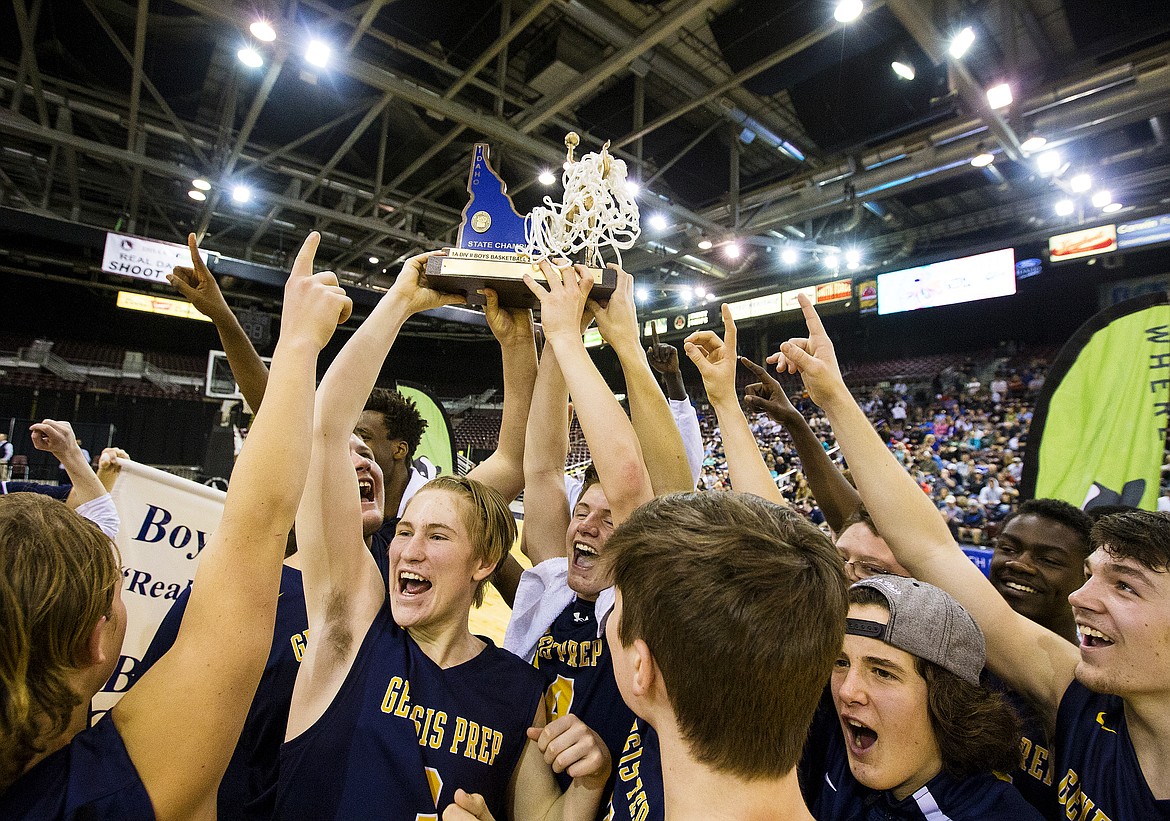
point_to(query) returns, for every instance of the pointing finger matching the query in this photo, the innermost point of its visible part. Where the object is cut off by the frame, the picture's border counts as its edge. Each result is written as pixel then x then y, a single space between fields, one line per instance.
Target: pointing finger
pixel 303 265
pixel 811 318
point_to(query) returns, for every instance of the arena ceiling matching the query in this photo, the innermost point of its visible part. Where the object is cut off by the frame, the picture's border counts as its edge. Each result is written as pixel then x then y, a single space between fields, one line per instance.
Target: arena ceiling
pixel 763 122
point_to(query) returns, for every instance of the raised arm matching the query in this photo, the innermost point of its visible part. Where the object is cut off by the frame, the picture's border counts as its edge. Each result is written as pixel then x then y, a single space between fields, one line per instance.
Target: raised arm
pixel 199 286
pixel 504 469
pixel 181 721
pixel 1032 660
pixel 612 441
pixel 546 506
pixel 57 438
pixel 715 358
pixel 662 445
pixel 837 498
pixel 663 359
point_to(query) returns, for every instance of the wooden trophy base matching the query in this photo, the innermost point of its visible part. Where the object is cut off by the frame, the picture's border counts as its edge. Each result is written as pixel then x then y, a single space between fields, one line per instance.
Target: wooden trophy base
pixel 457 271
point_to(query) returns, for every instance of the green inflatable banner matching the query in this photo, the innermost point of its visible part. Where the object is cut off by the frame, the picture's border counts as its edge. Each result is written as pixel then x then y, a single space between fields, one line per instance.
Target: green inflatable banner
pixel 438 442
pixel 1099 429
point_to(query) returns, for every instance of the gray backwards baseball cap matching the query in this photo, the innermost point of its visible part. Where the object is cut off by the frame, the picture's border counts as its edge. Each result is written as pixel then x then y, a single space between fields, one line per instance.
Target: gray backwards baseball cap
pixel 925 622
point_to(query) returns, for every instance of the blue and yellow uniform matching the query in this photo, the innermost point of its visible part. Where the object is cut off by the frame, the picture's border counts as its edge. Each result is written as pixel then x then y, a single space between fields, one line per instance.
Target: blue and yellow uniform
pixel 1033 778
pixel 1098 774
pixel 402 734
pixel 248 788
pixel 637 789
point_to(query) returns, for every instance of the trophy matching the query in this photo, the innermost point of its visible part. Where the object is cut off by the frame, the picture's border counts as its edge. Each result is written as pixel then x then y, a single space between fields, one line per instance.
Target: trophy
pixel 497 246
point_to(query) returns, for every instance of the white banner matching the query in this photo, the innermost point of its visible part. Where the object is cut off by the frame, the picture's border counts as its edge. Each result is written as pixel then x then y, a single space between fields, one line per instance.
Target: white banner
pixel 166 522
pixel 144 258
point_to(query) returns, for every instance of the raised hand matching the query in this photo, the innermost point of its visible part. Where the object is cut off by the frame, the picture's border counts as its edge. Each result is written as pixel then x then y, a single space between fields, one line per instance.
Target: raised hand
pixel 510 326
pixel 767 395
pixel 198 286
pixel 412 290
pixel 56 437
pixel 314 304
pixel 662 357
pixel 813 358
pixel 562 304
pixel 569 746
pixel 468 807
pixel 715 358
pixel 618 318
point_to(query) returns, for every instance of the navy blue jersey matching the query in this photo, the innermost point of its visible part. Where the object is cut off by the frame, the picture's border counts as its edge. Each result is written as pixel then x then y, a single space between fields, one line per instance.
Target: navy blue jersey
pixel 637 791
pixel 578 679
pixel 1033 778
pixel 90 779
pixel 1099 778
pixel 248 788
pixel 833 794
pixel 402 734
pixel 56 491
pixel 380 548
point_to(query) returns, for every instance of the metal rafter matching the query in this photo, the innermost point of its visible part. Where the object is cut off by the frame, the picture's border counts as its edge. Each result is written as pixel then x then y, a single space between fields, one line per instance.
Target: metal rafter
pixel 26 24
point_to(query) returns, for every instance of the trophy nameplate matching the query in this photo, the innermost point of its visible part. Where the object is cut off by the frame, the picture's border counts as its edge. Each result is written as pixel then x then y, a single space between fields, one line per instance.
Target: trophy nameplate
pixel 489 250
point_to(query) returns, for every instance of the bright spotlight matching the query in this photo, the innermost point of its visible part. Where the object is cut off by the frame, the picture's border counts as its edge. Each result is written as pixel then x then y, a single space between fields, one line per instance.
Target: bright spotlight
pixel 1064 208
pixel 633 188
pixel 1049 162
pixel 201 184
pixel 642 294
pixel 999 96
pixel 1033 144
pixel 705 245
pixel 373 260
pixel 241 193
pixel 961 42
pixel 788 256
pixel 903 69
pixel 261 30
pixel 983 159
pixel 1101 199
pixel 687 294
pixel 546 177
pixel 700 292
pixel 250 57
pixel 196 195
pixel 1080 183
pixel 658 222
pixel 317 54
pixel 852 257
pixel 732 250
pixel 847 11
pixel 831 262
pixel 1112 207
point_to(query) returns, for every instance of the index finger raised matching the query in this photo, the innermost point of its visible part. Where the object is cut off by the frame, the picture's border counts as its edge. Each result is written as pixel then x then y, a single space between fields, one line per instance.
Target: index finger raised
pixel 811 318
pixel 654 333
pixel 303 265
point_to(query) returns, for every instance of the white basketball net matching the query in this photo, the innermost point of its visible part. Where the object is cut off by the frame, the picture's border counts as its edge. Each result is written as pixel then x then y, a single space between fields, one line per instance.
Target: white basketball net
pixel 598 209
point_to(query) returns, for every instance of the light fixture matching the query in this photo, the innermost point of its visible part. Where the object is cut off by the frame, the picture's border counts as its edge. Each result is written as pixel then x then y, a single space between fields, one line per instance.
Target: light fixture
pixel 546 177
pixel 999 96
pixel 317 53
pixel 633 188
pixel 241 193
pixel 903 68
pixel 984 158
pixel 832 262
pixel 788 256
pixel 705 245
pixel 708 297
pixel 731 250
pixel 1101 199
pixel 1034 143
pixel 1049 162
pixel 1112 207
pixel 261 30
pixel 373 260
pixel 250 57
pixel 847 11
pixel 201 184
pixel 961 42
pixel 687 294
pixel 853 258
pixel 658 222
pixel 196 195
pixel 1080 183
pixel 1064 208
pixel 642 294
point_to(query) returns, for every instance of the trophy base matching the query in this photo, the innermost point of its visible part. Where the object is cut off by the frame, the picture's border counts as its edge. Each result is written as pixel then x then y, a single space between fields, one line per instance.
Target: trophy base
pixel 503 273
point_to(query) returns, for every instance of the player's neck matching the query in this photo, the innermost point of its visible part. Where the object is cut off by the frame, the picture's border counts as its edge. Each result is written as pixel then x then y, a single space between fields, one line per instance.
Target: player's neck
pixel 1148 721
pixel 78 721
pixel 694 792
pixel 447 645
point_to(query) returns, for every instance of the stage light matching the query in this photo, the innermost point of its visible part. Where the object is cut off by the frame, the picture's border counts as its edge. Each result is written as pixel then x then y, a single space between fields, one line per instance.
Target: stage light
pixel 961 42
pixel 983 159
pixel 658 222
pixel 1064 208
pixel 633 188
pixel 261 30
pixel 705 245
pixel 700 292
pixel 642 294
pixel 241 194
pixel 196 195
pixel 1101 199
pixel 1112 207
pixel 687 294
pixel 999 96
pixel 317 54
pixel 546 178
pixel 250 57
pixel 731 250
pixel 853 258
pixel 1033 144
pixel 831 262
pixel 788 256
pixel 847 11
pixel 903 69
pixel 1080 183
pixel 1049 162
pixel 201 184
pixel 373 260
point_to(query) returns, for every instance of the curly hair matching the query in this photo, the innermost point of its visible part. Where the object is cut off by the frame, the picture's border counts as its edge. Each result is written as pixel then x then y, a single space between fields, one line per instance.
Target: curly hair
pixel 1060 512
pixel 400 416
pixel 58 575
pixel 1137 534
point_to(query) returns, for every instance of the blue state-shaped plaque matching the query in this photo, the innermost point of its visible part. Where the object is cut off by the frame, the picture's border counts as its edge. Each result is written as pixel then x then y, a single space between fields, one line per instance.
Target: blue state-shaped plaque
pixel 490 220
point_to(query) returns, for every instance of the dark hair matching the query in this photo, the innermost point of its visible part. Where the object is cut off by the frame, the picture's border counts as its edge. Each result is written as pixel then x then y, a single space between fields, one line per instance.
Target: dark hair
pixel 400 416
pixel 860 516
pixel 1137 534
pixel 975 729
pixel 589 478
pixel 742 604
pixel 1060 512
